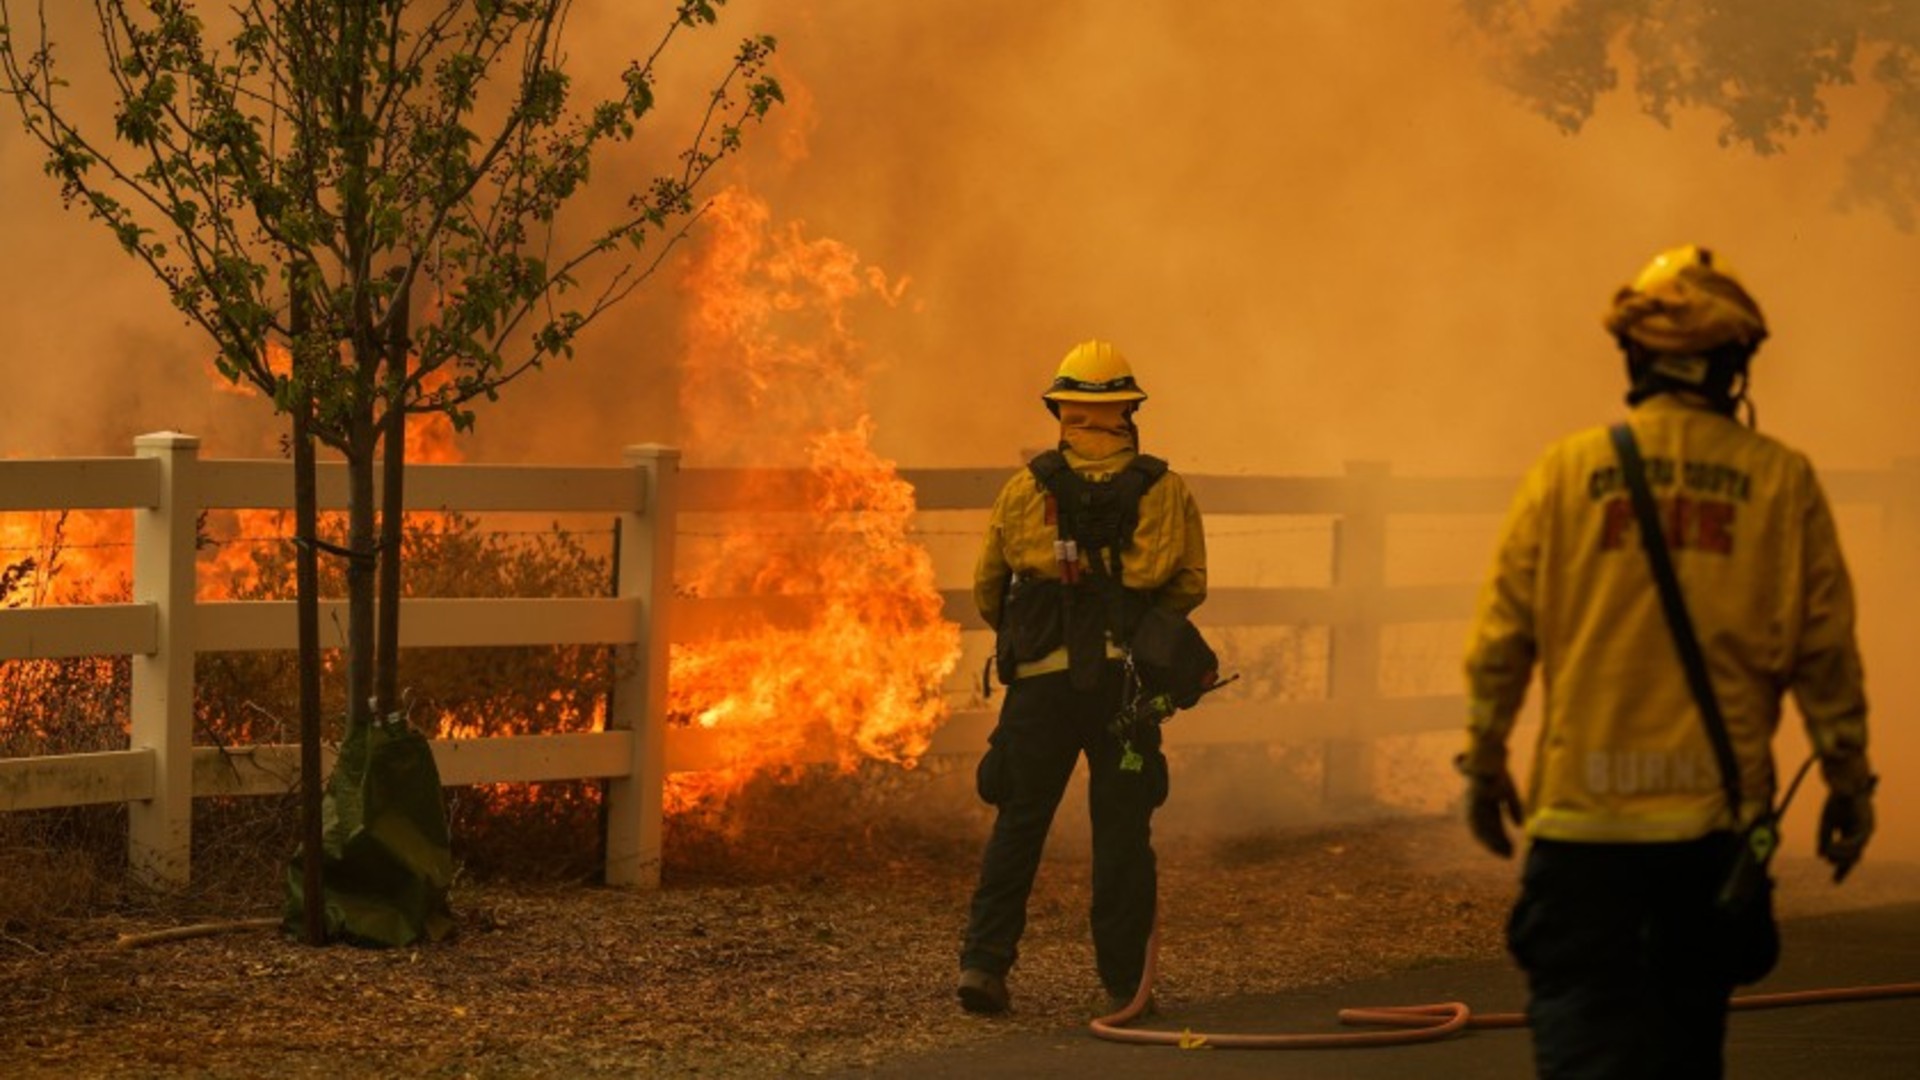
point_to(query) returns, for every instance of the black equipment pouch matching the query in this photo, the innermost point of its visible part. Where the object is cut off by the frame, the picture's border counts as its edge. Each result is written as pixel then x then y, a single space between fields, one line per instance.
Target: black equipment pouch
pixel 1749 937
pixel 1748 874
pixel 1032 624
pixel 1171 658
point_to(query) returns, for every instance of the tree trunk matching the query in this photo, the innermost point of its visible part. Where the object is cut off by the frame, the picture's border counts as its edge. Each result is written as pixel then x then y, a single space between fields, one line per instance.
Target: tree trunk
pixel 307 616
pixel 387 651
pixel 349 114
pixel 362 559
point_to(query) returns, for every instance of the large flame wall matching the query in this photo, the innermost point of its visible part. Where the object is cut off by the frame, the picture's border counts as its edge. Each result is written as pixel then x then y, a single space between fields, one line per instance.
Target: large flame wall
pixel 771 379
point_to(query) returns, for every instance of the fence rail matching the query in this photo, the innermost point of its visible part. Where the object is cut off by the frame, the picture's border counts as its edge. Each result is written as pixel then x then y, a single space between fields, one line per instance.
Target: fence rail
pixel 166 486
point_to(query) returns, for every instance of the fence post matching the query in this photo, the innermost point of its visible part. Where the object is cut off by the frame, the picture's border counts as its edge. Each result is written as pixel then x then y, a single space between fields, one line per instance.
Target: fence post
pixel 1902 518
pixel 1353 681
pixel 640 692
pixel 1901 541
pixel 160 829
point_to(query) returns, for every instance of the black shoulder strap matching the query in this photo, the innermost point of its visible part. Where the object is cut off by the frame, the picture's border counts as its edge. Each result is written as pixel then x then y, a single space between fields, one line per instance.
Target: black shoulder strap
pixel 1064 486
pixel 1149 468
pixel 1130 485
pixel 1048 467
pixel 1654 538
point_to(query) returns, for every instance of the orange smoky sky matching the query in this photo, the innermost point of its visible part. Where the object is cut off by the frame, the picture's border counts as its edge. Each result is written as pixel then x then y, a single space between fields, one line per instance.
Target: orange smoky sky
pixel 1320 232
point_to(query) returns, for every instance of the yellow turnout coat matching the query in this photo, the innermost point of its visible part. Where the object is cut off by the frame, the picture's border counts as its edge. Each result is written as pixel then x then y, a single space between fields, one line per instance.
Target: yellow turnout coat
pixel 1623 752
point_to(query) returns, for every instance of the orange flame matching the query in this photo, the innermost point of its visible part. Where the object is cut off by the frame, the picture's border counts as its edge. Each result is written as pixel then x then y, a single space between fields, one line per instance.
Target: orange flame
pixel 86 556
pixel 226 565
pixel 51 557
pixel 771 374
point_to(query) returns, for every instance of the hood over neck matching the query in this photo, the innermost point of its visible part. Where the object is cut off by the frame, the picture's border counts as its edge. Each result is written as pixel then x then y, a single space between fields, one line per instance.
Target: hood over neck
pixel 1096 432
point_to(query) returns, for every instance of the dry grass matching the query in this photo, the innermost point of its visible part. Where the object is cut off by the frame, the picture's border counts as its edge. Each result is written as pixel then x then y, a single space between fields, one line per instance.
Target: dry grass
pixel 814 928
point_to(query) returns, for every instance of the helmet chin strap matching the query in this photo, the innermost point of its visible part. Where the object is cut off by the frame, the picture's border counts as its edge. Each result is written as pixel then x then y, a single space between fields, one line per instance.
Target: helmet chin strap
pixel 1743 402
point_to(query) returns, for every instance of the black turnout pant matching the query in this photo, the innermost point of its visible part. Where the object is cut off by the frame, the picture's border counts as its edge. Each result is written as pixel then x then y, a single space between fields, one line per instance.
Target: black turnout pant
pixel 1620 946
pixel 1045 725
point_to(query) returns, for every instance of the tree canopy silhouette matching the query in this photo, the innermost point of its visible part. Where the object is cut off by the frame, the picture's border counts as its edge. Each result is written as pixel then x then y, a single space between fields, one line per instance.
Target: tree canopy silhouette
pixel 1769 69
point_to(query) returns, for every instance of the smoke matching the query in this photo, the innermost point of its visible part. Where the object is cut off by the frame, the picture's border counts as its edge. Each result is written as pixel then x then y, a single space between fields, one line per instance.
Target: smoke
pixel 1322 223
pixel 1320 232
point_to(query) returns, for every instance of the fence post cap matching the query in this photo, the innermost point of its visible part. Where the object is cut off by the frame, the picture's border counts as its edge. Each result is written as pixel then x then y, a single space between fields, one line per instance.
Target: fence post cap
pixel 652 452
pixel 167 440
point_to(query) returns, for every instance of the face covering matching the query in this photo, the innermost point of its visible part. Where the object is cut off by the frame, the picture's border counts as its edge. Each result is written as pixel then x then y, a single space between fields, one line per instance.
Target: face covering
pixel 1097 429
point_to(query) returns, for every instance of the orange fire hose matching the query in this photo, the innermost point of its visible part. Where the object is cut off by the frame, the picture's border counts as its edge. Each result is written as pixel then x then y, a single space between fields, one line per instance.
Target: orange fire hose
pixel 1410 1023
pixel 1426 1023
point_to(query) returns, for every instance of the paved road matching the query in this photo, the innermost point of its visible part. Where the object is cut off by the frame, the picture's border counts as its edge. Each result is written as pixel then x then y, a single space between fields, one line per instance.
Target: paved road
pixel 1855 1041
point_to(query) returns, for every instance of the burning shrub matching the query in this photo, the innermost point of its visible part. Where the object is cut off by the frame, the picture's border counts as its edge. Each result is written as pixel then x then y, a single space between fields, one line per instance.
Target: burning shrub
pixel 532 830
pixel 81 704
pixel 66 706
pixel 57 862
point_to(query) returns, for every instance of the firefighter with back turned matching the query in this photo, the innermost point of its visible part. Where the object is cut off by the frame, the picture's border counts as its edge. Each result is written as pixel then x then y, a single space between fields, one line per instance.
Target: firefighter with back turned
pixel 1630 935
pixel 1081 545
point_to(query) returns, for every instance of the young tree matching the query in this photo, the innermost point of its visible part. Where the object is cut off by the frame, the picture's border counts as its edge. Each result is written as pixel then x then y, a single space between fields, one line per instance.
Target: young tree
pixel 1768 68
pixel 295 172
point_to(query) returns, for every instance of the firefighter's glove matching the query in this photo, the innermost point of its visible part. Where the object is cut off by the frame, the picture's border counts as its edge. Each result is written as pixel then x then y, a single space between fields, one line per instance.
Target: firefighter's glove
pixel 1491 802
pixel 1846 823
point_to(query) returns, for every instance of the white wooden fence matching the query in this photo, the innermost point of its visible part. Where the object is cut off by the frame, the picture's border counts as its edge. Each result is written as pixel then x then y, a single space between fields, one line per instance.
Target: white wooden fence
pixel 166 485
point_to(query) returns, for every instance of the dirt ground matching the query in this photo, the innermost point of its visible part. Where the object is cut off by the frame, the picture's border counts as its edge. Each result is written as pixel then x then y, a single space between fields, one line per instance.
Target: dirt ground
pixel 787 950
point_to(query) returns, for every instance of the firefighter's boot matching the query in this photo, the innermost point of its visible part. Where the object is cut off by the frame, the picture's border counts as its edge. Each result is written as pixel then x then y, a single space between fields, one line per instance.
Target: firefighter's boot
pixel 983 992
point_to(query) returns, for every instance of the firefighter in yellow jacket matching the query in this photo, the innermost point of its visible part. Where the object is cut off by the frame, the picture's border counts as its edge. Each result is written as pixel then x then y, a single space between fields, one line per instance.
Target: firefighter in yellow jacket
pixel 1078 538
pixel 1629 820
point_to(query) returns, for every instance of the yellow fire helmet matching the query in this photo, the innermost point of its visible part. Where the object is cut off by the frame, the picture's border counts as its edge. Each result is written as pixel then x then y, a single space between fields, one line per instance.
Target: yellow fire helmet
pixel 1686 301
pixel 1093 371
